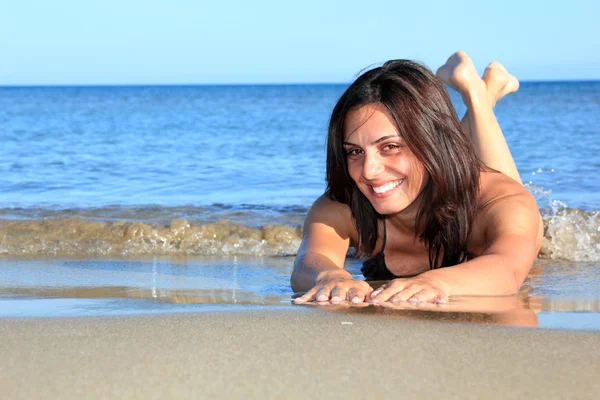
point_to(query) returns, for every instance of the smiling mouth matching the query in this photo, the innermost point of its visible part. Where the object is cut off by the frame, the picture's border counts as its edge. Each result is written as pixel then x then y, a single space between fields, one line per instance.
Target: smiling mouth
pixel 387 187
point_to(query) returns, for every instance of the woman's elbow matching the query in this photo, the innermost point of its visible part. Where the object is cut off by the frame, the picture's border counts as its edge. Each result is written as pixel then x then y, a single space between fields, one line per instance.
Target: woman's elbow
pixel 299 280
pixel 295 282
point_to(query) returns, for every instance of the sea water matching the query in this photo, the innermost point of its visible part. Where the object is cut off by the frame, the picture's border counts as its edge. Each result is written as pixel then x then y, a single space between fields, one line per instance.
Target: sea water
pixel 141 199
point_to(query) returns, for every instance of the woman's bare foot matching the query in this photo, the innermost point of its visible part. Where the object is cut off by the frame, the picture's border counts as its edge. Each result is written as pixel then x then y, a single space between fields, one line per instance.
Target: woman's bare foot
pixel 459 73
pixel 499 82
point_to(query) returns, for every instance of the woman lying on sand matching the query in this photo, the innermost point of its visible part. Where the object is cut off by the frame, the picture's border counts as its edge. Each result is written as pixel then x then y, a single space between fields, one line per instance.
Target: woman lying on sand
pixel 437 206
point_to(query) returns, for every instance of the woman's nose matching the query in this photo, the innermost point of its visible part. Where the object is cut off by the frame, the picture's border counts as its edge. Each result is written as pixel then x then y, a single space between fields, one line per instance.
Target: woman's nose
pixel 372 167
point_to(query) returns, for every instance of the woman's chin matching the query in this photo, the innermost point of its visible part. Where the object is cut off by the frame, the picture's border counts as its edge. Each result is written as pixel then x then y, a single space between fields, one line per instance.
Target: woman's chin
pixel 391 205
pixel 388 205
pixel 389 209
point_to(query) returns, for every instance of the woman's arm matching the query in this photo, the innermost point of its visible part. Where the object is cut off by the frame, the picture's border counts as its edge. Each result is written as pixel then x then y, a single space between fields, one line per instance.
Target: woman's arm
pixel 323 248
pixel 513 240
pixel 512 237
pixel 319 266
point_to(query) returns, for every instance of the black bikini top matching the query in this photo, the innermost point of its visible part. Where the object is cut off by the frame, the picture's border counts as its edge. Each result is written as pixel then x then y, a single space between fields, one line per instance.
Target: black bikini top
pixel 374 268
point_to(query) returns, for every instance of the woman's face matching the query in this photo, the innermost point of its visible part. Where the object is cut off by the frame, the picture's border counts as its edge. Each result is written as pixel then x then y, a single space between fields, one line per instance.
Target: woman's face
pixel 380 162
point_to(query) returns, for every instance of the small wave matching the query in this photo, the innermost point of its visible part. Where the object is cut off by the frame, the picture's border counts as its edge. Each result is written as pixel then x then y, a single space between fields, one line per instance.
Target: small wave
pixel 569 234
pixel 84 238
pixel 572 234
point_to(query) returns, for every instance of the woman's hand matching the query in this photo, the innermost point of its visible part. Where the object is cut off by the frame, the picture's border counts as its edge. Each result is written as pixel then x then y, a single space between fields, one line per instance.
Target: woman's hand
pixel 418 289
pixel 337 290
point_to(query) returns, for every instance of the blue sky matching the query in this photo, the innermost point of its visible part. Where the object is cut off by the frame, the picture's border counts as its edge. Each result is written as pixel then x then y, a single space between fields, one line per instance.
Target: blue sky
pixel 222 41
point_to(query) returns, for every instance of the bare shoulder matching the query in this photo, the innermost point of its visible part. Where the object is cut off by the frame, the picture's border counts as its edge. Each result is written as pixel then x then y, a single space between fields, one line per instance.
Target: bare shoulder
pixel 328 231
pixel 496 187
pixel 333 214
pixel 507 206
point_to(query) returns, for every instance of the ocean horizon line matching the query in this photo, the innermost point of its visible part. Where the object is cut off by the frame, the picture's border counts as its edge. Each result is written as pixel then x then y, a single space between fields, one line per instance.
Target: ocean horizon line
pixel 249 84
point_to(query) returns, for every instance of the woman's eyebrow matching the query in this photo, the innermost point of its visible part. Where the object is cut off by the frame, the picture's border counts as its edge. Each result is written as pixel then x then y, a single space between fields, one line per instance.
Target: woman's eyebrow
pixel 381 139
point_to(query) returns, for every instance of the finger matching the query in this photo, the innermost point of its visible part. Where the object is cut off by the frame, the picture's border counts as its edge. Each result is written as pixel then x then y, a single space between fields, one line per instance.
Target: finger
pixel 390 291
pixel 406 293
pixel 308 296
pixel 430 296
pixel 358 298
pixel 420 296
pixel 338 294
pixel 359 294
pixel 440 299
pixel 324 294
pixel 377 291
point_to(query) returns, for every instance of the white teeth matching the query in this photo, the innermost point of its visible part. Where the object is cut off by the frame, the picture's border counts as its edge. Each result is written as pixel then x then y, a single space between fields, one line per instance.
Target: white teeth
pixel 387 187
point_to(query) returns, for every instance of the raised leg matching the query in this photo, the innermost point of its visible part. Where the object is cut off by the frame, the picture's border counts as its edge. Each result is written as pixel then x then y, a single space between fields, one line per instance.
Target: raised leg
pixel 480 96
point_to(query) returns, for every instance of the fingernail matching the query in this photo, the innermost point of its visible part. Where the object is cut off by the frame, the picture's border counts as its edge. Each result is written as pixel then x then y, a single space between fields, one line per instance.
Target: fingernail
pixel 322 298
pixel 441 301
pixel 414 300
pixel 375 293
pixel 355 300
pixel 335 300
pixel 375 301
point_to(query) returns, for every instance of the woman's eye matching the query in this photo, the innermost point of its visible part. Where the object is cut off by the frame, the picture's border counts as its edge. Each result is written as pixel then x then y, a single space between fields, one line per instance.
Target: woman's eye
pixel 391 146
pixel 353 152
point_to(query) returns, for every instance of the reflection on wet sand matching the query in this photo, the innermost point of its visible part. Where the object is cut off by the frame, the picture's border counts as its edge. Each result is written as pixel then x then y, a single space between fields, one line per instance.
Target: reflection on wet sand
pixel 518 310
pixel 168 285
pixel 504 310
pixel 173 296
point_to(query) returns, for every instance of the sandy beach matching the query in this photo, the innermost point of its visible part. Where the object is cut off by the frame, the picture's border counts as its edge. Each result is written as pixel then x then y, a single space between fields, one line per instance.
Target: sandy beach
pixel 291 352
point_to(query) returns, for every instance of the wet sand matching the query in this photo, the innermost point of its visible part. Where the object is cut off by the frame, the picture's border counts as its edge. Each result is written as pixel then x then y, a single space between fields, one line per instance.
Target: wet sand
pixel 291 352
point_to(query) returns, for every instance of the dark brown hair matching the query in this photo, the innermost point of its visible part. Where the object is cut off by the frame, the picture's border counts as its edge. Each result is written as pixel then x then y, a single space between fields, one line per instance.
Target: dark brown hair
pixel 421 109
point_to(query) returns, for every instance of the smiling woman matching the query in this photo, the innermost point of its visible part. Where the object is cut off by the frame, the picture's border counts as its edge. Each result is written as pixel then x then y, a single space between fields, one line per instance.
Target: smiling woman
pixel 436 205
pixel 380 147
